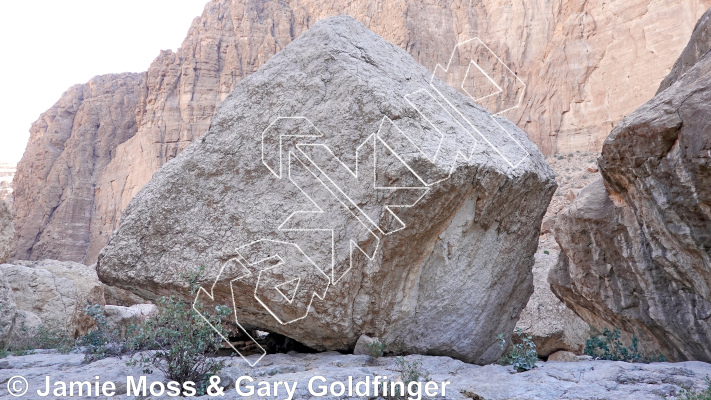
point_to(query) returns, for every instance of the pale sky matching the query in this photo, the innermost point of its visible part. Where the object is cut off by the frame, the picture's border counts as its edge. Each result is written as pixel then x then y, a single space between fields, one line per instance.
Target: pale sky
pixel 50 45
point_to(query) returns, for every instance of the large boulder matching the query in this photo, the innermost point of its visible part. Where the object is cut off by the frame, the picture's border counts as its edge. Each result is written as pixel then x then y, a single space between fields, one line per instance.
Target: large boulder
pixel 271 203
pixel 7 232
pixel 56 292
pixel 637 244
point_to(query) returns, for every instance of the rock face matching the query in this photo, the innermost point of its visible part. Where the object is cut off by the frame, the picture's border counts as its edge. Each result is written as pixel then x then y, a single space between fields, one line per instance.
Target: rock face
pixel 70 145
pixel 7 232
pixel 552 325
pixel 56 292
pixel 8 310
pixel 698 46
pixel 586 64
pixel 120 318
pixel 637 244
pixel 451 241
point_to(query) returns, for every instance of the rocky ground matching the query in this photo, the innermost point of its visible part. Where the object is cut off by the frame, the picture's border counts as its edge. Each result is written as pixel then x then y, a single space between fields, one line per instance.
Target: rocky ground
pixel 550 380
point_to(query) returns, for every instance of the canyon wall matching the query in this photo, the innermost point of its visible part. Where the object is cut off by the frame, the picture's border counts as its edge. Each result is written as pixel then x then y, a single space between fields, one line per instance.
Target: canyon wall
pixel 636 244
pixel 586 64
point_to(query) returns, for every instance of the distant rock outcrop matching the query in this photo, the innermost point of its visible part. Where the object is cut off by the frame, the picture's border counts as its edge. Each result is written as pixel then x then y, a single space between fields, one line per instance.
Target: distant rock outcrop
pixel 7 232
pixel 451 255
pixel 637 244
pixel 7 172
pixel 586 64
pixel 55 187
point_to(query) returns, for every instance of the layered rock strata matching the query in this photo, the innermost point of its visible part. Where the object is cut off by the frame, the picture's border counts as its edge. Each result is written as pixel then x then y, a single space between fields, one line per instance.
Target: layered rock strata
pixel 585 64
pixel 637 243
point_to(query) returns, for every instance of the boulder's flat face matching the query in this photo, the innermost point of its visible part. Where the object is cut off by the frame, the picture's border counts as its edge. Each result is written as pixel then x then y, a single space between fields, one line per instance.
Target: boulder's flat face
pixel 333 197
pixel 638 243
pixel 56 292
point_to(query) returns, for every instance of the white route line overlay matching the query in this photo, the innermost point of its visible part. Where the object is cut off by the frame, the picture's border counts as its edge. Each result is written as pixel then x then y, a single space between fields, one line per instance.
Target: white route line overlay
pixel 355 174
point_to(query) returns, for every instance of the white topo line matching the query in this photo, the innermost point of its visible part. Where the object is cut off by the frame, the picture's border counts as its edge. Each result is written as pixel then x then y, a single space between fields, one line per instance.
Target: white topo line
pixel 341 193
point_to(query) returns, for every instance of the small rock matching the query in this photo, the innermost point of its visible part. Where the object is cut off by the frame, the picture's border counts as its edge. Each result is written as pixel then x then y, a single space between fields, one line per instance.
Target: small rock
pixel 563 356
pixel 572 194
pixel 585 358
pixel 121 388
pixel 592 168
pixel 121 318
pixel 547 225
pixel 361 347
pixel 226 381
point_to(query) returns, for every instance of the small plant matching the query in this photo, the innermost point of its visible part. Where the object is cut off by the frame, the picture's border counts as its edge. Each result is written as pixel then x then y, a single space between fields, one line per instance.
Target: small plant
pixel 53 339
pixel 183 341
pixel 410 371
pixel 39 338
pixel 546 252
pixel 521 355
pixel 694 395
pixel 376 348
pixel 608 346
pixel 103 341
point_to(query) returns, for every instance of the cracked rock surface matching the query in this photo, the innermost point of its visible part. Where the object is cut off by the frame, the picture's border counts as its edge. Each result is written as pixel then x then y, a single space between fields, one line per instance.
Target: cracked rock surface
pixel 636 244
pixel 584 380
pixel 450 274
pixel 54 293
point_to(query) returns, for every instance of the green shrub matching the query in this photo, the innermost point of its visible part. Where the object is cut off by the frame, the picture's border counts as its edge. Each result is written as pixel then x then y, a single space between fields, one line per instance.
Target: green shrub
pixel 183 341
pixel 410 371
pixel 376 348
pixel 521 354
pixel 608 346
pixel 694 395
pixel 42 338
pixel 103 341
